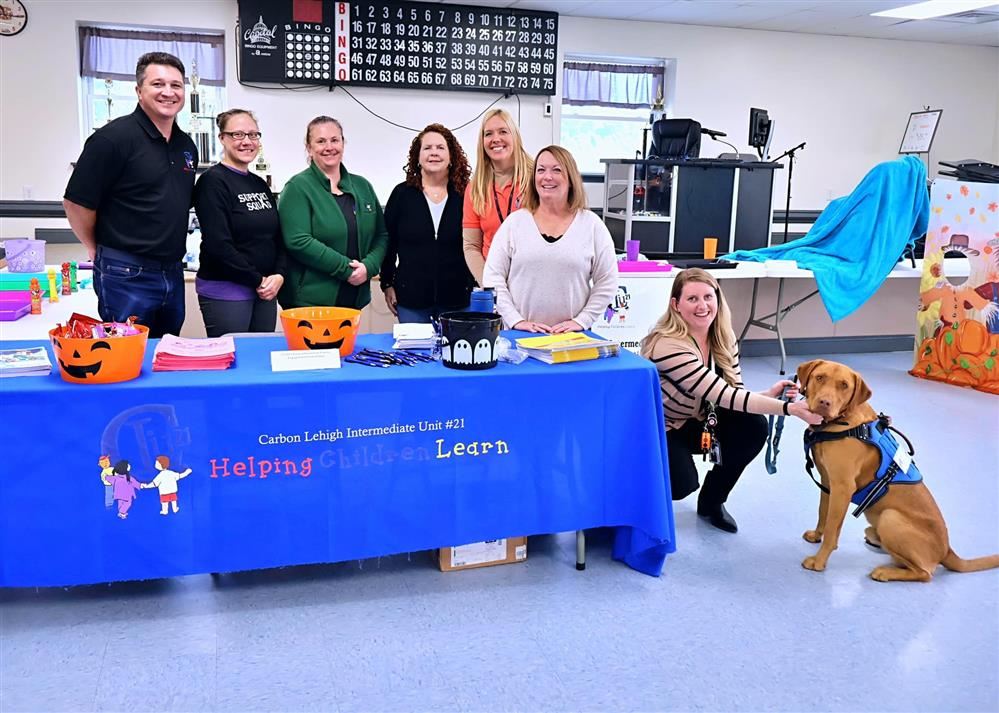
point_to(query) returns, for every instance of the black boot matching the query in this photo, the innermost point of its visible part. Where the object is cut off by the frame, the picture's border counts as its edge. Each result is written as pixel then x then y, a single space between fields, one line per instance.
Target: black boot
pixel 718 516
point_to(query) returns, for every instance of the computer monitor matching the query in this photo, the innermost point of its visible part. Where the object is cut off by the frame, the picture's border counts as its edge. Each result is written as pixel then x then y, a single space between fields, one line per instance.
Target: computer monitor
pixel 760 131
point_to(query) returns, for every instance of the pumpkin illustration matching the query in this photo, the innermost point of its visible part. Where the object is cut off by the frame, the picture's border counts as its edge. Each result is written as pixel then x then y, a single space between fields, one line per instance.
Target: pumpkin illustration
pixel 972 337
pixel 962 378
pixel 991 364
pixel 321 328
pixel 973 364
pixel 928 369
pixel 100 361
pixel 928 351
pixel 947 346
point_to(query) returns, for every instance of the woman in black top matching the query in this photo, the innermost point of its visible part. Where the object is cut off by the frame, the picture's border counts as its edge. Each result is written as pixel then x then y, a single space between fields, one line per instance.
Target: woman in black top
pixel 423 218
pixel 242 252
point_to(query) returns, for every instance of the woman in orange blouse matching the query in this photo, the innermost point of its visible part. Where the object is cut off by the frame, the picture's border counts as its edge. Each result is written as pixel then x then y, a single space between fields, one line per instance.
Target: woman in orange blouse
pixel 503 170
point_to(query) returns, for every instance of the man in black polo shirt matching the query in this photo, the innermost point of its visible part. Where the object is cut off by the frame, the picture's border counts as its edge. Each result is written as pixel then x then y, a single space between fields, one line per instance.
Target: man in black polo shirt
pixel 129 198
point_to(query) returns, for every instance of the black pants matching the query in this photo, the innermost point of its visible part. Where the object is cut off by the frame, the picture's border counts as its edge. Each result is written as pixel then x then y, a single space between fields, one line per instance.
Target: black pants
pixel 742 437
pixel 235 316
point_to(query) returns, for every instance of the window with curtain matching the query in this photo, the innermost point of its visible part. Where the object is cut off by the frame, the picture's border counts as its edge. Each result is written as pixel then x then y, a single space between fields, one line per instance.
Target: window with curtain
pixel 107 74
pixel 605 105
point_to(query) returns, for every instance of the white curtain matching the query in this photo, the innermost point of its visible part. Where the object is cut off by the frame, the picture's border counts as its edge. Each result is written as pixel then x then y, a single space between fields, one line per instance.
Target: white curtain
pixel 108 53
pixel 629 86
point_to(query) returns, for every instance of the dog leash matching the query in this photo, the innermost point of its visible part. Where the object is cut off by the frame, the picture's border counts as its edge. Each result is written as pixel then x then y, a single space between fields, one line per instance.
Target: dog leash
pixel 775 427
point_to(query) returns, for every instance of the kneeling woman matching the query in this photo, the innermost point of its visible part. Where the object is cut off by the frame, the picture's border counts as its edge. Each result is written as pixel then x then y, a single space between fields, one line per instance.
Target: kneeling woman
pixel 694 348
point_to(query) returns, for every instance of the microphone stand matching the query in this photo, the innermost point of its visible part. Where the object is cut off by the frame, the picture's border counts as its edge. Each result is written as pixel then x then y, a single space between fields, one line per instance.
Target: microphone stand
pixel 790 170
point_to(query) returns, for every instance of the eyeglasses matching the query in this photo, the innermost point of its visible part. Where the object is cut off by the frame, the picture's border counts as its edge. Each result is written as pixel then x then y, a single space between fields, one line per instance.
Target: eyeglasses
pixel 240 135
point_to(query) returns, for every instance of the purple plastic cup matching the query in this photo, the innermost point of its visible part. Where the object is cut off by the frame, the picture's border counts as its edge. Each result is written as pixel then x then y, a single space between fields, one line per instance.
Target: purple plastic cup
pixel 631 247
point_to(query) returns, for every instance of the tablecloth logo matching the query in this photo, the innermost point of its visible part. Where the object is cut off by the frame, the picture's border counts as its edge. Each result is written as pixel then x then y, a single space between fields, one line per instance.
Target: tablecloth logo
pixel 617 310
pixel 121 487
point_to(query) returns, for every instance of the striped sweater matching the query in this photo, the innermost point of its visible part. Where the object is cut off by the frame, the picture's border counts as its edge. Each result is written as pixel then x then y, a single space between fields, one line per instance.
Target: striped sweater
pixel 687 383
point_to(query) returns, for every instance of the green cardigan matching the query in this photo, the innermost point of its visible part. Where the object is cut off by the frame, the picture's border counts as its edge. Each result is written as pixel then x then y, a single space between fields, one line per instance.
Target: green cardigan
pixel 315 234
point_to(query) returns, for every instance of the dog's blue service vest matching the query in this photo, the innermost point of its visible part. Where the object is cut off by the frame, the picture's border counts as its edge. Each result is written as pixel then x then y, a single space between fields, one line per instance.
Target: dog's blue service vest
pixel 896 466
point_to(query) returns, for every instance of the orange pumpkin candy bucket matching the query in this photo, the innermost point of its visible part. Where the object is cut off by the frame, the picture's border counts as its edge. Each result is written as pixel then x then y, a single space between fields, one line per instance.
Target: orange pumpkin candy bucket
pixel 100 361
pixel 321 328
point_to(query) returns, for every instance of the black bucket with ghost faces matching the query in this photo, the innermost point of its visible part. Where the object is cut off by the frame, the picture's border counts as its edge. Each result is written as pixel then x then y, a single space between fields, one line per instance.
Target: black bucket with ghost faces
pixel 468 340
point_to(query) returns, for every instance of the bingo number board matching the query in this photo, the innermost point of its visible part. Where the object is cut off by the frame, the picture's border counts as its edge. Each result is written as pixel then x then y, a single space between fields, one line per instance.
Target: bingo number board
pixel 408 45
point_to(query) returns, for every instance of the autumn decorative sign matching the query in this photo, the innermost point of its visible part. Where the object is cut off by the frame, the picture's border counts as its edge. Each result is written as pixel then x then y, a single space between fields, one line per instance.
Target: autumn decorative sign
pixel 958 321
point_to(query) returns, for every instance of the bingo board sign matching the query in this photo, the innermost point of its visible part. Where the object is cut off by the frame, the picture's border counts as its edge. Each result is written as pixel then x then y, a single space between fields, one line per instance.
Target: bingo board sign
pixel 409 45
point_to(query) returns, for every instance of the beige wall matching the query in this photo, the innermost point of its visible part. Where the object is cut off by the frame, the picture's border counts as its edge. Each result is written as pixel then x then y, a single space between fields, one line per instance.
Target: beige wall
pixel 849 98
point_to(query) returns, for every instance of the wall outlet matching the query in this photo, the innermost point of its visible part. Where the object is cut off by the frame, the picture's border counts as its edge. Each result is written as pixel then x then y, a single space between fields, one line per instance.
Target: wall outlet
pixel 27 193
pixel 829 195
pixel 548 108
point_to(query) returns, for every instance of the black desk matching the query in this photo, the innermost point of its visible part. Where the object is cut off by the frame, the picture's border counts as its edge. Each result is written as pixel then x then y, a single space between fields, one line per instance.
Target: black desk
pixel 671 206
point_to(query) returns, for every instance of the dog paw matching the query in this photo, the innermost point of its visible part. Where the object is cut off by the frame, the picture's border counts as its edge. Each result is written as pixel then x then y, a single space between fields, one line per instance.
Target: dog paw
pixel 812 536
pixel 881 574
pixel 814 564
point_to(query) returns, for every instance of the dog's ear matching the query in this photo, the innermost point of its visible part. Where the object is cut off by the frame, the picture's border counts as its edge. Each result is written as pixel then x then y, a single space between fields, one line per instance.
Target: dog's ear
pixel 861 391
pixel 805 370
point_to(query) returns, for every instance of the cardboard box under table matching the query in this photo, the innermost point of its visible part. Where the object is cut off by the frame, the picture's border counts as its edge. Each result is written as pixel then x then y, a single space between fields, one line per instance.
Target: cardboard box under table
pixel 482 554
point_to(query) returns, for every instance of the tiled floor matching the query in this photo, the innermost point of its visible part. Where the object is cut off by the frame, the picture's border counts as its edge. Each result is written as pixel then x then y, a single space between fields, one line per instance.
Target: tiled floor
pixel 734 623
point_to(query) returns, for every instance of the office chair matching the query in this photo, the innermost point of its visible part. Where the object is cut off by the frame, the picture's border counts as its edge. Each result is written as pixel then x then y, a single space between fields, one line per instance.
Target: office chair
pixel 676 139
pixel 671 139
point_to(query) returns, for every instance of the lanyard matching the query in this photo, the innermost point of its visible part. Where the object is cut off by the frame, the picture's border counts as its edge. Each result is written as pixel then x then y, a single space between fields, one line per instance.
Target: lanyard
pixel 509 204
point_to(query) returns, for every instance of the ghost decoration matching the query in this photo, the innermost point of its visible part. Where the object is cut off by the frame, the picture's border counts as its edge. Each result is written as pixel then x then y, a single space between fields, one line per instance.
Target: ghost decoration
pixel 461 353
pixel 483 353
pixel 445 349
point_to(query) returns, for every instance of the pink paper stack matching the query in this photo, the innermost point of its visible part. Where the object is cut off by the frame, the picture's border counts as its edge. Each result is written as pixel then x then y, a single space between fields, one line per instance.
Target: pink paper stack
pixel 179 354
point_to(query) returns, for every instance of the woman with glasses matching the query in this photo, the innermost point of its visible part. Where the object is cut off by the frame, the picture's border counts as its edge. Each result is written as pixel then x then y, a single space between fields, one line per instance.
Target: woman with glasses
pixel 242 251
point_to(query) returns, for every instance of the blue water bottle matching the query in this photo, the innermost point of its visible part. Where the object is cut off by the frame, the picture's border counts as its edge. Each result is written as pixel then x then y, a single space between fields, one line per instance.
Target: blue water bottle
pixel 482 301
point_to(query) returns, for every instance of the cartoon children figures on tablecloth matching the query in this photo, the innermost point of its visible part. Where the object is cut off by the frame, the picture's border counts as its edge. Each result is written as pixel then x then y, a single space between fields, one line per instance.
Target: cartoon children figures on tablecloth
pixel 166 482
pixel 124 487
pixel 106 471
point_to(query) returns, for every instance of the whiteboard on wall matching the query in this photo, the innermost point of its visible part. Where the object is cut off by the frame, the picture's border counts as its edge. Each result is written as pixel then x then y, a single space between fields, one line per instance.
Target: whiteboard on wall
pixel 920 131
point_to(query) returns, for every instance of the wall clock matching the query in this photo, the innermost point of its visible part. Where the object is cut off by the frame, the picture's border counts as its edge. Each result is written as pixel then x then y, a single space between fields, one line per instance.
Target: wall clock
pixel 13 17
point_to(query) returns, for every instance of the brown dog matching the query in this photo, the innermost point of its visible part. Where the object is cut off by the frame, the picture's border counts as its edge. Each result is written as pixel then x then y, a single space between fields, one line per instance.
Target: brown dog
pixel 906 521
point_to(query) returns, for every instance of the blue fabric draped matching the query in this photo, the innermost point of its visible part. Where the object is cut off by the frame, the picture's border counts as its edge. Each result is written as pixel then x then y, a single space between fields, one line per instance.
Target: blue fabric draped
pixel 857 240
pixel 306 467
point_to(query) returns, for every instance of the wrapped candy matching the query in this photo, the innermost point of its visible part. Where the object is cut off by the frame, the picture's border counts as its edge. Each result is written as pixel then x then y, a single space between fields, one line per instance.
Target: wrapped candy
pixel 53 293
pixel 80 326
pixel 36 296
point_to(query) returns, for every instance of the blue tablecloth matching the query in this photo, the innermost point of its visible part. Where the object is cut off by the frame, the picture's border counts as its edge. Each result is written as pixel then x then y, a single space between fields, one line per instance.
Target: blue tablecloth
pixel 284 470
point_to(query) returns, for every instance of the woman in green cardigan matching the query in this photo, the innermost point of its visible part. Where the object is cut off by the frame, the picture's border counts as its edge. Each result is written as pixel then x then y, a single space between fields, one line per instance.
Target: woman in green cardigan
pixel 333 227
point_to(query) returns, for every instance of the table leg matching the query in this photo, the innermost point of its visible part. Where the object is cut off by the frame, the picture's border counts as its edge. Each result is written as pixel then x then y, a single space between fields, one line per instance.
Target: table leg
pixel 777 321
pixel 752 310
pixel 777 316
pixel 580 550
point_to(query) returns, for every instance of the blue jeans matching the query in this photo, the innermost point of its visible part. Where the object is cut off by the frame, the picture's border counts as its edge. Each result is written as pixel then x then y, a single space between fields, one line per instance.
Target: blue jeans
pixel 129 285
pixel 408 315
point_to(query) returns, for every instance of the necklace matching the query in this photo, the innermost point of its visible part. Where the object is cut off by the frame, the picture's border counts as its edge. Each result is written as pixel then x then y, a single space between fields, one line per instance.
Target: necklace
pixel 436 194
